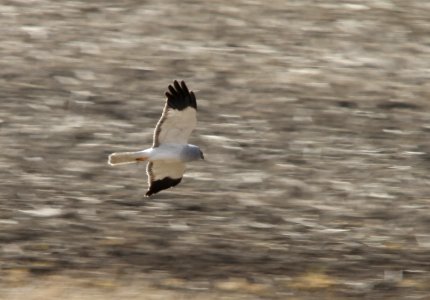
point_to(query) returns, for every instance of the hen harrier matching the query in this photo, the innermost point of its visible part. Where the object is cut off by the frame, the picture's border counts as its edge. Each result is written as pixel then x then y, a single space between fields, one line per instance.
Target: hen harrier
pixel 170 149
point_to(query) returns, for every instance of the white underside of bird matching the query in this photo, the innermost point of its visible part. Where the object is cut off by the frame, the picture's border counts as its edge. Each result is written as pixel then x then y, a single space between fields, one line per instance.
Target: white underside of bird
pixel 165 152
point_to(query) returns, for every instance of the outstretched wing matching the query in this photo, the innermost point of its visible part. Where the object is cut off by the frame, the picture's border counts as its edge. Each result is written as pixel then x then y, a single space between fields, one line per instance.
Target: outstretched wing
pixel 179 116
pixel 163 175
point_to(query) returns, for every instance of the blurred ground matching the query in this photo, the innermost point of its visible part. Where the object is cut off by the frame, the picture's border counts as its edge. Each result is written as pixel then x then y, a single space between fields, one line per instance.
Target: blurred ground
pixel 314 119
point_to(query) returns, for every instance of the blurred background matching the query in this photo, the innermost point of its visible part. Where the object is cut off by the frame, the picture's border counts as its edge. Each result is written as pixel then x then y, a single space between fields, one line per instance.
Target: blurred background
pixel 314 118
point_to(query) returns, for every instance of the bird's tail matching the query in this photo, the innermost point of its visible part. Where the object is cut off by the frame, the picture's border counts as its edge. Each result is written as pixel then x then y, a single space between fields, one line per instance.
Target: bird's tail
pixel 122 158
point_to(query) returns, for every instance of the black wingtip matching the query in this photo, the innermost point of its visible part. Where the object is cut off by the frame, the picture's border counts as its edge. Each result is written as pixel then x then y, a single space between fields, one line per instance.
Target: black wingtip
pixel 180 97
pixel 162 184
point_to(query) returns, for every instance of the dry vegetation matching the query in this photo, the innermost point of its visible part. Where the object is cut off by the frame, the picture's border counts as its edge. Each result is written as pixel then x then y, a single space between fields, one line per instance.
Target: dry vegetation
pixel 314 117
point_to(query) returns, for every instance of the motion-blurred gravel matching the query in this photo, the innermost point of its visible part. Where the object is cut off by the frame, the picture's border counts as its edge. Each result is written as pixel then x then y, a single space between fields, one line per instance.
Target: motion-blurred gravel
pixel 314 118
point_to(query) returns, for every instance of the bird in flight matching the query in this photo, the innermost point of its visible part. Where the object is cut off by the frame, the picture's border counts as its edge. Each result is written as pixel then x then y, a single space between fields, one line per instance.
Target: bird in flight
pixel 170 149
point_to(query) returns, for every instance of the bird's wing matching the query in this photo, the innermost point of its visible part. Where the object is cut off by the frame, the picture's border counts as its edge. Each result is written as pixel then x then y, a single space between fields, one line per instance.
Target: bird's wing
pixel 179 116
pixel 163 175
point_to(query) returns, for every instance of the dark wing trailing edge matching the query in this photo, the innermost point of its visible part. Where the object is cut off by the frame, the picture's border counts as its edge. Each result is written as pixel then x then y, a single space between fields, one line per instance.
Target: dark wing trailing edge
pixel 179 116
pixel 163 175
pixel 179 97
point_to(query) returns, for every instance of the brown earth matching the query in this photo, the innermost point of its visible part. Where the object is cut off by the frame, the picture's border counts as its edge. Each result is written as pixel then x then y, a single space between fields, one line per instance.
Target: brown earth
pixel 313 116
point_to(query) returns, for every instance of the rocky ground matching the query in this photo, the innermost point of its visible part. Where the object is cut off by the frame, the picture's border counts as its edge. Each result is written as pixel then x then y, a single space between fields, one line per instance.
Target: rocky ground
pixel 314 118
